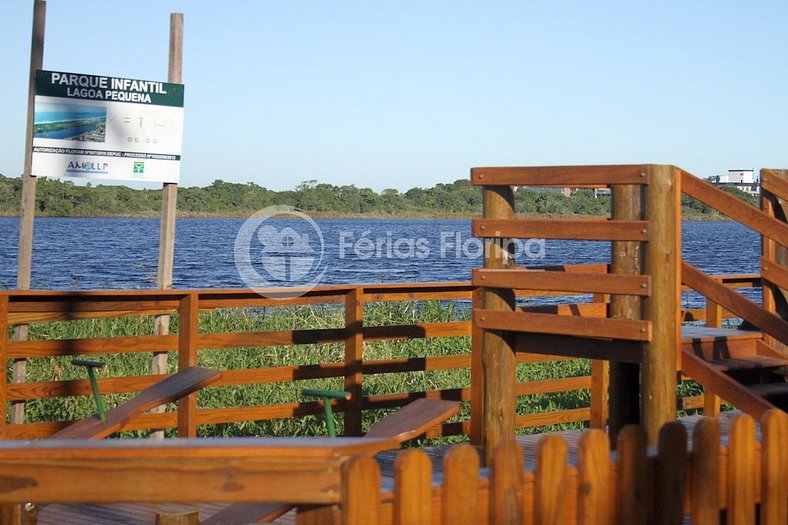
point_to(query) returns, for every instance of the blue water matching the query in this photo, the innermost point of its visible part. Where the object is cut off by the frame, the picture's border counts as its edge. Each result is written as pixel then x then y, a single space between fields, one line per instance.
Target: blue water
pixel 67 132
pixel 121 253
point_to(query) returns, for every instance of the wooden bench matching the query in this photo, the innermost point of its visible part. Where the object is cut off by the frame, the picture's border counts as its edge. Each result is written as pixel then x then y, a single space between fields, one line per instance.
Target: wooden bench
pixel 167 390
pixel 170 389
pixel 409 422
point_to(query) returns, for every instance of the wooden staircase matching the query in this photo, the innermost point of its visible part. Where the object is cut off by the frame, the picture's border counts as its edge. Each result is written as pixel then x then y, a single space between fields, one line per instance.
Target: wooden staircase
pixel 742 367
pixel 737 365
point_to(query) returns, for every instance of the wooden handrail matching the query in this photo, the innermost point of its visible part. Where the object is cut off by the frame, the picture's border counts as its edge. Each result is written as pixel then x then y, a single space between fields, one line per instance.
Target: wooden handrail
pixel 773 325
pixel 560 176
pixel 734 208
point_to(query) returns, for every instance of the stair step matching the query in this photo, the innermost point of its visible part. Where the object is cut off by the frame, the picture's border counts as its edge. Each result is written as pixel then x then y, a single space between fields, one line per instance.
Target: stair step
pixel 703 333
pixel 769 389
pixel 774 393
pixel 746 363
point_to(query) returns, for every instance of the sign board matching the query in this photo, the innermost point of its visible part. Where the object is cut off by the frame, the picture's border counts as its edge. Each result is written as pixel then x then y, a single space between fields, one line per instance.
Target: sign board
pixel 107 128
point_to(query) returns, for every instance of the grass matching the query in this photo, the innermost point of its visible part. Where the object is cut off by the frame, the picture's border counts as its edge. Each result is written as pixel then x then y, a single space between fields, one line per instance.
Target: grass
pixel 289 318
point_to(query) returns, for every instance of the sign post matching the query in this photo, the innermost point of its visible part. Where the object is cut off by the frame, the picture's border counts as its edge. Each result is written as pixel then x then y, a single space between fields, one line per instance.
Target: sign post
pixel 28 205
pixel 169 198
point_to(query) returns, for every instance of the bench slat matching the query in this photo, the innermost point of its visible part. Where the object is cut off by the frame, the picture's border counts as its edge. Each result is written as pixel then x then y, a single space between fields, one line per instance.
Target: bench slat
pixel 167 390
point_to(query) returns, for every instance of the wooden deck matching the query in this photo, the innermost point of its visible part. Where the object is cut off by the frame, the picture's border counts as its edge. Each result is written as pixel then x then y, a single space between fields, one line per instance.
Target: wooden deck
pixel 144 514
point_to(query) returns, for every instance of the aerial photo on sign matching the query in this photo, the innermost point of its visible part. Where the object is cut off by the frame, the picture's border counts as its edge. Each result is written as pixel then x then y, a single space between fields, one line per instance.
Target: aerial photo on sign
pixel 107 128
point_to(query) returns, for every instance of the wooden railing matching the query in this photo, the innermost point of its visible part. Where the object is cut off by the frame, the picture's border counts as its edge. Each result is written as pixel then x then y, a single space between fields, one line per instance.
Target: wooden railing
pixel 352 370
pixel 775 234
pixel 192 338
pixel 642 325
pixel 737 478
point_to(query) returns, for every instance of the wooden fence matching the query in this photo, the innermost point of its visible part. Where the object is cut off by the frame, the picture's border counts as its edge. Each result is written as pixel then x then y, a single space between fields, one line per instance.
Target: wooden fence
pixel 735 474
pixel 734 480
pixel 18 307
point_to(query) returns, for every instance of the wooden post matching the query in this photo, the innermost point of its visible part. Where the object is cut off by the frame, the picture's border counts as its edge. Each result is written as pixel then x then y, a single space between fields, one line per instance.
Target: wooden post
pixel 4 362
pixel 477 378
pixel 661 262
pixel 625 259
pixel 169 198
pixel 28 205
pixel 354 356
pixel 498 359
pixel 188 332
pixel 600 382
pixel 711 402
pixel 774 297
pixel 178 517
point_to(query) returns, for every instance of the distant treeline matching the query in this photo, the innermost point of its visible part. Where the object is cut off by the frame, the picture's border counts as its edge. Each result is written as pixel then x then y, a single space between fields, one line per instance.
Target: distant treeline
pixel 62 198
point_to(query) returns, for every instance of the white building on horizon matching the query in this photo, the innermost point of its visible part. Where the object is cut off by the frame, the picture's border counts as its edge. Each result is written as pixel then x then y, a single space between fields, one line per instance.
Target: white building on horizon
pixel 745 180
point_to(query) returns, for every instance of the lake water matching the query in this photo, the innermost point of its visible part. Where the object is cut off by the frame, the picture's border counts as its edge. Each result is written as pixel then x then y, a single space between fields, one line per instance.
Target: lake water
pixel 121 253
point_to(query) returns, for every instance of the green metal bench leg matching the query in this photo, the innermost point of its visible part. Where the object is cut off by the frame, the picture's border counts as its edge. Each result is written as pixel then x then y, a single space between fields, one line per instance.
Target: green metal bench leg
pixel 327 396
pixel 91 366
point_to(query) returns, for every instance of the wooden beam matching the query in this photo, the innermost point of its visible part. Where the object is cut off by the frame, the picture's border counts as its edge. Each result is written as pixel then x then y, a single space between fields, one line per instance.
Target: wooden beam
pixel 497 355
pixel 354 359
pixel 571 229
pixel 560 176
pixel 297 470
pixel 661 261
pixel 628 330
pixel 522 278
pixel 625 260
pixel 188 330
pixel 578 347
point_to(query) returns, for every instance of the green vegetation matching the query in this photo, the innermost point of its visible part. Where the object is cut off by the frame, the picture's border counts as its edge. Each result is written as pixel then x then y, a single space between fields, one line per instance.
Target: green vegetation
pixel 62 198
pixel 288 318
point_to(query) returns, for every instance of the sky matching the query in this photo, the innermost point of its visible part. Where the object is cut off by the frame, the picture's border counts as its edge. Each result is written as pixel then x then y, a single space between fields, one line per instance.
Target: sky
pixel 401 94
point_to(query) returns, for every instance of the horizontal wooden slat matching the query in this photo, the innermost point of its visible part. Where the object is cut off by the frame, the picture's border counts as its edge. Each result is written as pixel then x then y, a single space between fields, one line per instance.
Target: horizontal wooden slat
pixel 273 338
pixel 269 469
pixel 578 229
pixel 775 182
pixel 58 315
pixel 580 309
pixel 563 325
pixel 99 345
pixel 734 208
pixel 46 429
pixel 553 418
pixel 417 331
pixel 399 399
pixel 416 364
pixel 80 303
pixel 518 278
pixel 774 273
pixel 261 301
pixel 561 176
pixel 552 386
pixel 578 347
pixel 80 387
pixel 280 374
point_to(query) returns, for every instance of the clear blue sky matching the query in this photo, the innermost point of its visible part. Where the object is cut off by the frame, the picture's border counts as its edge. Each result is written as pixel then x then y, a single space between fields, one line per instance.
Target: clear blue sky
pixel 397 94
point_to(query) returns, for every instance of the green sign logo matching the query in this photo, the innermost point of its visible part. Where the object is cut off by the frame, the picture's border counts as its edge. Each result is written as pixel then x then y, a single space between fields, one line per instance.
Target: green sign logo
pixel 139 167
